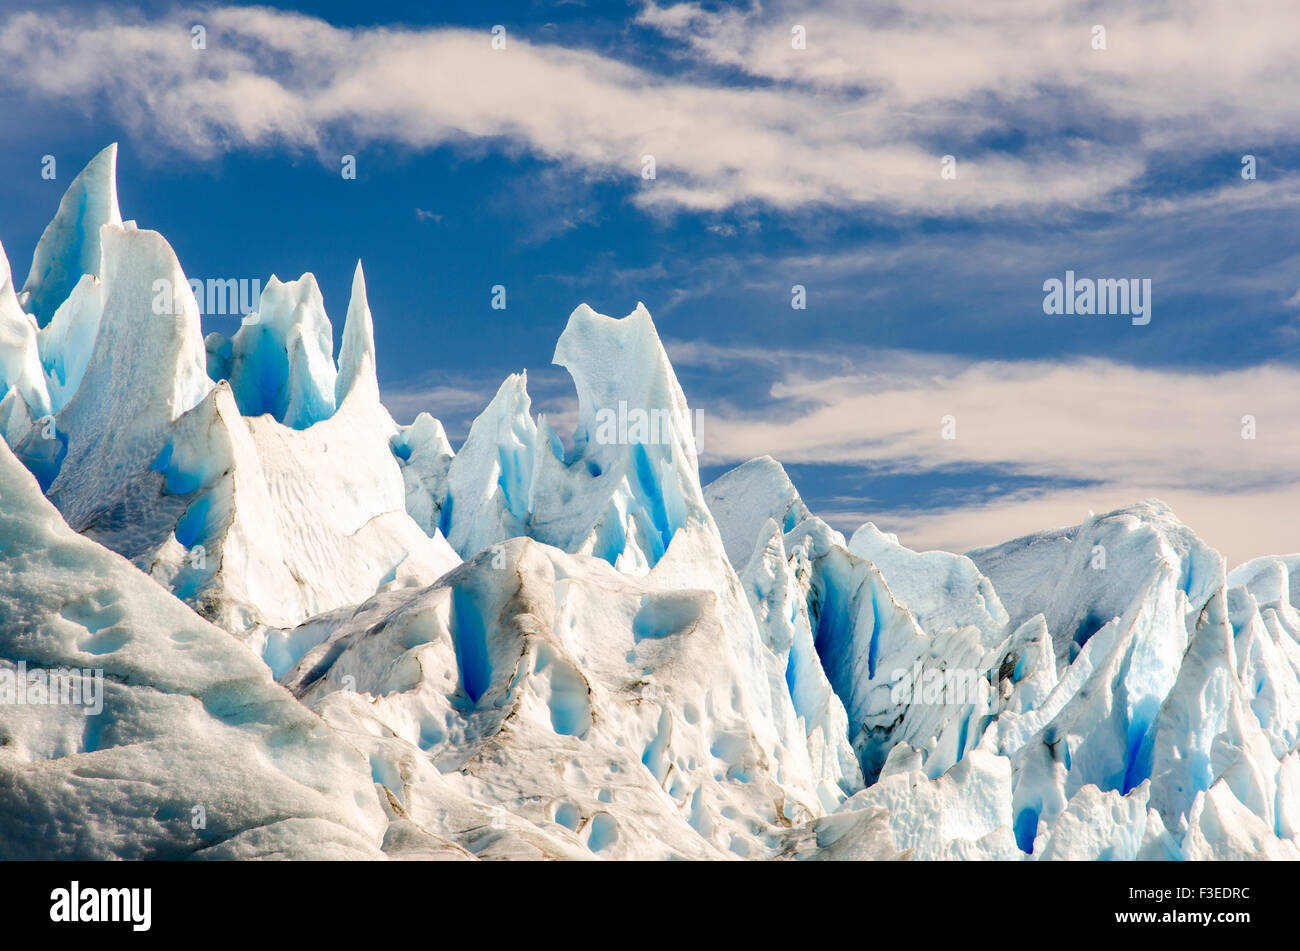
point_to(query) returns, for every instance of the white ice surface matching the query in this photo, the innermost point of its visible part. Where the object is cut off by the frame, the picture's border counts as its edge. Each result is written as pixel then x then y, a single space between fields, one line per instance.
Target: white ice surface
pixel 626 665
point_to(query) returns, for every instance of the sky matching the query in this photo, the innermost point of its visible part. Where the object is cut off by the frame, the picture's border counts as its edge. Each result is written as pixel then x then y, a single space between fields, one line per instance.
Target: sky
pixel 792 144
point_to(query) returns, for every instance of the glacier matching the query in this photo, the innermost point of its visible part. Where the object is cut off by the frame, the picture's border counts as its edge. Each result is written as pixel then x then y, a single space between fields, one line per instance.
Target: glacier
pixel 323 634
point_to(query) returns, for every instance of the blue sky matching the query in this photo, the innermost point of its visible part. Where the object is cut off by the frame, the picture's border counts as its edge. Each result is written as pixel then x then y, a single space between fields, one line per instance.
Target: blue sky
pixel 774 167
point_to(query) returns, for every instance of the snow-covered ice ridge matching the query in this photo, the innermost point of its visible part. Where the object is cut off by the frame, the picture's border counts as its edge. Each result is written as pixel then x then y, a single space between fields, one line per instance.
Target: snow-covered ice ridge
pixel 325 635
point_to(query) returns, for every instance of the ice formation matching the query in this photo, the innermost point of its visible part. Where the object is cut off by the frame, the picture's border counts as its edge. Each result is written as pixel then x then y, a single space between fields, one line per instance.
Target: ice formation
pixel 70 246
pixel 332 636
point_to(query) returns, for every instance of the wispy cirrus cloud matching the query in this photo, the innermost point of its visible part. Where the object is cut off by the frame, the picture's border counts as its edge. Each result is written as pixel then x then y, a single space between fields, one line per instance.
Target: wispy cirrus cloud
pixel 860 117
pixel 1127 432
pixel 1240 525
pixel 1184 71
pixel 1093 418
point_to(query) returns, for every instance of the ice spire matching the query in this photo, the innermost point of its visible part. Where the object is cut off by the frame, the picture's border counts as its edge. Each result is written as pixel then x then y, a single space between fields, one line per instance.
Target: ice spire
pixel 69 246
pixel 357 353
pixel 490 480
pixel 283 362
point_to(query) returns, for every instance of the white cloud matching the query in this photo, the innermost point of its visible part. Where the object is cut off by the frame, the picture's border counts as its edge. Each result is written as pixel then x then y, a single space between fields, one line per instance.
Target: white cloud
pixel 1191 69
pixel 853 120
pixel 1089 419
pixel 1240 525
pixel 1133 432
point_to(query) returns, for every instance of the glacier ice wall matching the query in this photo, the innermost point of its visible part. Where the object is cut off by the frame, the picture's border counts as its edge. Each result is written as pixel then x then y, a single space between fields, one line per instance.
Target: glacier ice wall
pixel 189 718
pixel 516 650
pixel 204 483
